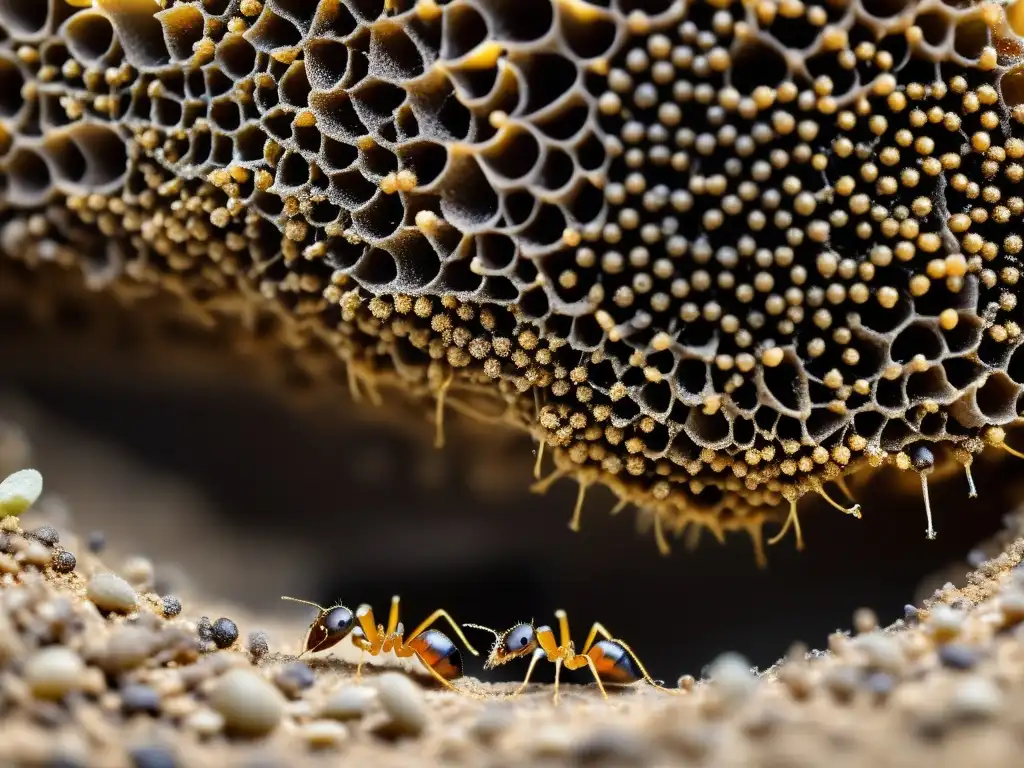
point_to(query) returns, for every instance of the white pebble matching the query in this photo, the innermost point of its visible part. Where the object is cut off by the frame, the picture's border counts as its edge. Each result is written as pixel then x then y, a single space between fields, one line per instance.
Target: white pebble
pixel 975 698
pixel 403 700
pixel 248 702
pixel 54 672
pixel 732 677
pixel 112 593
pixel 325 733
pixel 348 703
pixel 19 491
pixel 205 722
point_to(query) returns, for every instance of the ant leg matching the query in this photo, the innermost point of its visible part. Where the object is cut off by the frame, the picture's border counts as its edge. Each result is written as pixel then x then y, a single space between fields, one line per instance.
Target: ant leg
pixel 563 627
pixel 537 656
pixel 434 673
pixel 393 616
pixel 643 671
pixel 364 613
pixel 597 677
pixel 558 670
pixel 546 640
pixel 440 613
pixel 597 629
pixel 363 647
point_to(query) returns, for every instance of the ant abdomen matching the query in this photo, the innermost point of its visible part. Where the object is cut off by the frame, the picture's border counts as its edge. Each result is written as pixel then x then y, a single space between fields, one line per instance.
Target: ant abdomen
pixel 439 653
pixel 613 663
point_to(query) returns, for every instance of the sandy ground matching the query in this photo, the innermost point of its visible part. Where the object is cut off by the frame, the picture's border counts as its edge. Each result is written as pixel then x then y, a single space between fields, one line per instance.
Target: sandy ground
pixel 97 668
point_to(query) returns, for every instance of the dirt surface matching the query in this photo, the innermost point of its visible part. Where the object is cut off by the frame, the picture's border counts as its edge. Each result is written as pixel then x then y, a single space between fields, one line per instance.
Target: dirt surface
pixel 99 669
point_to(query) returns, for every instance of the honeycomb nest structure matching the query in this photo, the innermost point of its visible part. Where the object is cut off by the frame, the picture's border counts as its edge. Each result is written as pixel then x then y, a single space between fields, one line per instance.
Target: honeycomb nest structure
pixel 712 254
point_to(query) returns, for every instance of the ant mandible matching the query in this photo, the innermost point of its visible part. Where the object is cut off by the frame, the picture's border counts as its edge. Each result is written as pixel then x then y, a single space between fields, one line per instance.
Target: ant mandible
pixel 433 648
pixel 609 659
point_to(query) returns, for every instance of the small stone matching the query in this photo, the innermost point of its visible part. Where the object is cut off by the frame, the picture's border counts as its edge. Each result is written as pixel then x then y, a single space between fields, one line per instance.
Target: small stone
pixel 495 719
pixel 324 733
pixel 19 491
pixel 732 677
pixel 404 703
pixel 54 672
pixel 842 682
pixel 976 558
pixel 224 632
pixel 112 593
pixel 612 746
pixel 975 698
pixel 958 656
pixel 96 542
pixel 348 703
pixel 136 699
pixel 205 722
pixel 46 534
pixel 1011 603
pixel 171 606
pixel 880 684
pixel 257 645
pixel 910 614
pixel 9 565
pixel 63 561
pixel 204 628
pixel 864 620
pixel 128 647
pixel 139 573
pixel 882 653
pixel 945 622
pixel 294 678
pixel 35 553
pixel 551 741
pixel 153 757
pixel 248 703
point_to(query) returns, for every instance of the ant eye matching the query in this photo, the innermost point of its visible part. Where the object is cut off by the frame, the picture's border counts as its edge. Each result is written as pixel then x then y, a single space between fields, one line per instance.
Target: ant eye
pixel 338 620
pixel 519 638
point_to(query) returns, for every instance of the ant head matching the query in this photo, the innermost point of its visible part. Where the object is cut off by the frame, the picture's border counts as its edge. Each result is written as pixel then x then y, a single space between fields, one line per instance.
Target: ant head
pixel 510 644
pixel 330 627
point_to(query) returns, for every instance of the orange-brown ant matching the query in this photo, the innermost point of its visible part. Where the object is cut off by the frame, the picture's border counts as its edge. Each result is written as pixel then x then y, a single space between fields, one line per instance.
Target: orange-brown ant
pixel 433 648
pixel 610 659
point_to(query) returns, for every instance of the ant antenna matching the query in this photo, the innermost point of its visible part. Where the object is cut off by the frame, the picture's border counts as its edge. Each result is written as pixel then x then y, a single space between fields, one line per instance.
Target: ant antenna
pixel 923 460
pixel 820 489
pixel 304 602
pixel 497 635
pixel 792 520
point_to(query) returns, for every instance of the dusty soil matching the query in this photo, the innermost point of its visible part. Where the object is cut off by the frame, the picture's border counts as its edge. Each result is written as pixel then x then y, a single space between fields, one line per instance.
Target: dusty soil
pixel 96 670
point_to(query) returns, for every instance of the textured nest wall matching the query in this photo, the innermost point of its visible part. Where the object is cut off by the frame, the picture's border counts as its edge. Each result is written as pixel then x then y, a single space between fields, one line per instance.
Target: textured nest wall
pixel 712 254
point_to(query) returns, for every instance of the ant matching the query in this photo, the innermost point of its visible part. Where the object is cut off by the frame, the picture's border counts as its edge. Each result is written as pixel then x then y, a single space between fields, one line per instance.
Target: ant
pixel 433 648
pixel 609 659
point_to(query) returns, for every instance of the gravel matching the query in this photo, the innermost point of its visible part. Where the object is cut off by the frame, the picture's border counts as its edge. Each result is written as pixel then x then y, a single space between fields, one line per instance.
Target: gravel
pixel 403 701
pixel 350 702
pixel 257 645
pixel 171 606
pixel 112 593
pixel 249 704
pixel 294 678
pixel 54 672
pixel 136 698
pixel 224 632
pixel 63 561
pixel 45 534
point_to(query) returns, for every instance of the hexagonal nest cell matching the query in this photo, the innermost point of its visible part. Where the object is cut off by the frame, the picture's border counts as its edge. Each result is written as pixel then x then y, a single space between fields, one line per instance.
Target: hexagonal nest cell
pixel 713 254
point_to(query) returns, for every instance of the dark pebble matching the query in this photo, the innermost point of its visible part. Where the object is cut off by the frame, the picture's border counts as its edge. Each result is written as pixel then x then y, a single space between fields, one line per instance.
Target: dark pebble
pixel 880 684
pixel 5 542
pixel 958 656
pixel 224 632
pixel 47 534
pixel 136 698
pixel 171 606
pixel 258 645
pixel 97 542
pixel 294 678
pixel 204 628
pixel 910 614
pixel 63 561
pixel 153 757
